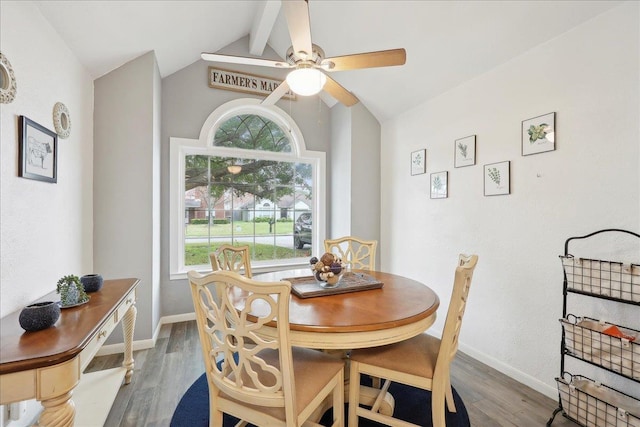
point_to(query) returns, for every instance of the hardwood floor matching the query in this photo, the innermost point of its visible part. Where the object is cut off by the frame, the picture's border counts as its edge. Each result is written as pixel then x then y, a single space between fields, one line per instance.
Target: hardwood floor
pixel 163 374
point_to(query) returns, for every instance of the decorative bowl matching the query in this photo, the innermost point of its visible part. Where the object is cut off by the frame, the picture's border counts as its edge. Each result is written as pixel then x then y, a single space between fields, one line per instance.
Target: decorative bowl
pixel 40 315
pixel 327 270
pixel 330 282
pixel 92 282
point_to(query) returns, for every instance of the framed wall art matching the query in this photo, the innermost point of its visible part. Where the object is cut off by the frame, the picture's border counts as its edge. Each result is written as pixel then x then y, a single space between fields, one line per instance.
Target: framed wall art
pixel 539 134
pixel 440 185
pixel 497 179
pixel 38 150
pixel 419 162
pixel 465 151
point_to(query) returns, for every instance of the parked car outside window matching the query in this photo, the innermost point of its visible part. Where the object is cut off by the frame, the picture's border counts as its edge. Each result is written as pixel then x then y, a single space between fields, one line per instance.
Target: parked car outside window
pixel 302 231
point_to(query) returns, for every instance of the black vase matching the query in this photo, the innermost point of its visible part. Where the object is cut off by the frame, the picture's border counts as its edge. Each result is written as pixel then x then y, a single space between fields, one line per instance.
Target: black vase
pixel 91 282
pixel 40 315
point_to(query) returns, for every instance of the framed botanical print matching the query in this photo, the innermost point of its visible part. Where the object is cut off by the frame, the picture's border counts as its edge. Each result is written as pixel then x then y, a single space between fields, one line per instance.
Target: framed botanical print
pixel 539 134
pixel 465 151
pixel 440 185
pixel 38 150
pixel 419 162
pixel 497 179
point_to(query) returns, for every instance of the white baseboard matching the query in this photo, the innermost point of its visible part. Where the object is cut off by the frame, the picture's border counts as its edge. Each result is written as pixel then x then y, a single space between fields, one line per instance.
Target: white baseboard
pixel 106 350
pixel 510 371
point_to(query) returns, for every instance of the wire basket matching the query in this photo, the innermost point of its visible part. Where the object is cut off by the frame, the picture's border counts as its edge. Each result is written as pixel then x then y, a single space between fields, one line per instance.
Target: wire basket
pixel 613 347
pixel 606 278
pixel 594 405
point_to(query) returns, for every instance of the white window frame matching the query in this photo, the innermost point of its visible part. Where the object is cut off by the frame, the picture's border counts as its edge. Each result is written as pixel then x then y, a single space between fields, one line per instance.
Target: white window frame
pixel 182 147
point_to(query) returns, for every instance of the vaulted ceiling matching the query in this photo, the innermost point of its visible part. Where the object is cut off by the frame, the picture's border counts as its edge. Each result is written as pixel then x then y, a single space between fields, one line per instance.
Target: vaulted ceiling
pixel 447 42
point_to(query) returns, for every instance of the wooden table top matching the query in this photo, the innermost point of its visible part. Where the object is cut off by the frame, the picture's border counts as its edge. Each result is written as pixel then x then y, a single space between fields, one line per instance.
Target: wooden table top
pixel 401 301
pixel 20 350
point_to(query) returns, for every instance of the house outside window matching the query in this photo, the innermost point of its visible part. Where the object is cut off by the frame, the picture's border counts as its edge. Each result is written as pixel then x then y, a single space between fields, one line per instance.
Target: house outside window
pixel 248 185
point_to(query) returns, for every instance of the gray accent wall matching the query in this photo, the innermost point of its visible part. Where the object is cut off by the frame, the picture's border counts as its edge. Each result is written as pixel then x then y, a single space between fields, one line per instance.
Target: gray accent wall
pixel 187 101
pixel 126 183
pixel 355 177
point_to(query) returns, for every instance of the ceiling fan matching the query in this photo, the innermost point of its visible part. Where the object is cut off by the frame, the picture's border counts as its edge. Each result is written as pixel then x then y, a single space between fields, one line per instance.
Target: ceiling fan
pixel 309 65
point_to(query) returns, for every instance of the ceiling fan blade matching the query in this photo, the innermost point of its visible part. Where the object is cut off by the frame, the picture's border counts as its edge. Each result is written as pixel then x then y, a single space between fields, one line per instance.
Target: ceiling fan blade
pixel 340 93
pixel 297 14
pixel 244 60
pixel 382 58
pixel 276 94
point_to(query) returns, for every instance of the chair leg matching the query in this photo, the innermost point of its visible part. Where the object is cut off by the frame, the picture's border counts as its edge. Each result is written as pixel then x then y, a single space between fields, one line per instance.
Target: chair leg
pixel 437 408
pixel 354 394
pixel 338 401
pixel 450 403
pixel 215 417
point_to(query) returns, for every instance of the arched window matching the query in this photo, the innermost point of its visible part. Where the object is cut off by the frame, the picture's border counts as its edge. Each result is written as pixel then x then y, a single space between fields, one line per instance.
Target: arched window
pixel 248 180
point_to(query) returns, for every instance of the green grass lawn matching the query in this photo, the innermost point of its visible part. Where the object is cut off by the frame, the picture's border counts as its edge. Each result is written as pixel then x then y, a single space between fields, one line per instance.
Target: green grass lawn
pixel 241 228
pixel 198 253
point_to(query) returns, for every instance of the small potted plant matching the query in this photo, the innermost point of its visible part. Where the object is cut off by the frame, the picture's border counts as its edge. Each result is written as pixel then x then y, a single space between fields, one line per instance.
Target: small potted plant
pixel 71 291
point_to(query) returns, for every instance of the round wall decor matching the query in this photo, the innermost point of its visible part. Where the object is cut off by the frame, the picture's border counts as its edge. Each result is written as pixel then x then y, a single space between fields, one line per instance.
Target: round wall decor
pixel 61 120
pixel 8 85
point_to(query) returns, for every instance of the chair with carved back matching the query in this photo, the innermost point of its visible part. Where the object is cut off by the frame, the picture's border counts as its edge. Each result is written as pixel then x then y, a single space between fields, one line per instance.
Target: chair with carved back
pixel 356 253
pixel 422 361
pixel 260 378
pixel 231 258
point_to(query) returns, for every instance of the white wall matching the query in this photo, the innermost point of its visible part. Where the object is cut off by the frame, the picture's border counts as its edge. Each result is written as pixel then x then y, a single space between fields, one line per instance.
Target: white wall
pixel 46 229
pixel 590 77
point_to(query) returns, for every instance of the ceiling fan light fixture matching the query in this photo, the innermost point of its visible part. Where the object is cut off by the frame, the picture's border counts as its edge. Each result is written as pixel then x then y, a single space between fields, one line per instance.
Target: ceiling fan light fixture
pixel 306 81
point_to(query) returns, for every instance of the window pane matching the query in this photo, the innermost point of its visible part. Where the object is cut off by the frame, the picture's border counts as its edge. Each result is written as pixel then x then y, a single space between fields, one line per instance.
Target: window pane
pixel 257 201
pixel 252 132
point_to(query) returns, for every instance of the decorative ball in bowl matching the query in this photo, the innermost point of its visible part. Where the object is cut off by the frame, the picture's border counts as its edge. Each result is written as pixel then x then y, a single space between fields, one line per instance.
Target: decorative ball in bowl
pixel 92 282
pixel 328 270
pixel 40 315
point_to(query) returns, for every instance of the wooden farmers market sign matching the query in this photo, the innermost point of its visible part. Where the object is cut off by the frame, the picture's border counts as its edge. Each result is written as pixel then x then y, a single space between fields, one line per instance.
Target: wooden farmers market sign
pixel 244 82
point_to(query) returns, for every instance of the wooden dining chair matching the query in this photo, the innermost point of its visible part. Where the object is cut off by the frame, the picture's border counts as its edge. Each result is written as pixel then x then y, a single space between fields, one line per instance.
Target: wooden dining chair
pixel 262 379
pixel 231 258
pixel 355 252
pixel 422 361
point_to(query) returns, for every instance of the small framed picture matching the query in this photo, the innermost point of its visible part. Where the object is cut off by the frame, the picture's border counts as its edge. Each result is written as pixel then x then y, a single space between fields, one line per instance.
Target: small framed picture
pixel 465 151
pixel 38 148
pixel 539 134
pixel 419 162
pixel 440 185
pixel 497 179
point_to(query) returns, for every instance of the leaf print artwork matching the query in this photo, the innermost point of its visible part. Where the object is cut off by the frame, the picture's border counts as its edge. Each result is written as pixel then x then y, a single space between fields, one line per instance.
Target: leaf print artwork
pixel 463 149
pixel 494 174
pixel 418 162
pixel 537 132
pixel 497 178
pixel 437 183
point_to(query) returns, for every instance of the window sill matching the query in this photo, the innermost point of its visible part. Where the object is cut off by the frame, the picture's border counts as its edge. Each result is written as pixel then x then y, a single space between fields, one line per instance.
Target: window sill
pixel 255 270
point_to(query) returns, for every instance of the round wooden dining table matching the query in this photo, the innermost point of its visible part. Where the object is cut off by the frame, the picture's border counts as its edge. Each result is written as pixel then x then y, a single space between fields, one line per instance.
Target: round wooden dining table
pixel 400 309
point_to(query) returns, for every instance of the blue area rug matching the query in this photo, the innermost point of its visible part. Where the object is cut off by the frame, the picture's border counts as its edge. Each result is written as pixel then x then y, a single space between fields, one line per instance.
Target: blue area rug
pixel 412 404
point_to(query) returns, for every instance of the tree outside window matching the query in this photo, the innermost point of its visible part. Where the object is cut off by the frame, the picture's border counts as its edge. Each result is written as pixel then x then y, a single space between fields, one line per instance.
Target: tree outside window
pixel 247 199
